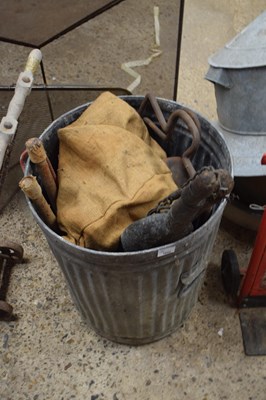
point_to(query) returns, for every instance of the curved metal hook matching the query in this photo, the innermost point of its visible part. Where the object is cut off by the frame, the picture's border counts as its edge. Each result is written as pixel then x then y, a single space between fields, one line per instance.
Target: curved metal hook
pixel 167 128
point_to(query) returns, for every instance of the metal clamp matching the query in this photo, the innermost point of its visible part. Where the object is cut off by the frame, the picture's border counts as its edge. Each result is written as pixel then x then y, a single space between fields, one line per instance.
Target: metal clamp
pixel 10 254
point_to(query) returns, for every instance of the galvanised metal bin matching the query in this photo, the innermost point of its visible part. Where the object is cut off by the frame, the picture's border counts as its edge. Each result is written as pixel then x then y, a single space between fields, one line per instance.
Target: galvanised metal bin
pixel 139 297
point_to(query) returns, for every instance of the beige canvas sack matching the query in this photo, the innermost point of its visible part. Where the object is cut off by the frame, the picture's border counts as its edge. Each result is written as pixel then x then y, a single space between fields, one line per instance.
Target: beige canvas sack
pixel 111 173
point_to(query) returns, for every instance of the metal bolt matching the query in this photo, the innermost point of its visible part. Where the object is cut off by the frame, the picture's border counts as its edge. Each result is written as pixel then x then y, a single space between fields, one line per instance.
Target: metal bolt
pixel 8 125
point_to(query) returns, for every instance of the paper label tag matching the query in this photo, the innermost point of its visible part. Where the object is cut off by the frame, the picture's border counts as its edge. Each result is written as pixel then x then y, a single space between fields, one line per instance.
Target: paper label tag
pixel 165 251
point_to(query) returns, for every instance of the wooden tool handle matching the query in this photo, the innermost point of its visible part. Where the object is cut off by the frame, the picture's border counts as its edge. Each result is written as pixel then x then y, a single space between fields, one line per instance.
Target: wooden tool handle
pixel 38 156
pixel 33 191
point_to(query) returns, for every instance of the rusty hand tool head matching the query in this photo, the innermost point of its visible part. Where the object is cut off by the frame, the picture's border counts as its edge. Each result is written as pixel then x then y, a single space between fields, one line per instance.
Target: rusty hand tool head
pixel 225 185
pixel 160 227
pixel 181 167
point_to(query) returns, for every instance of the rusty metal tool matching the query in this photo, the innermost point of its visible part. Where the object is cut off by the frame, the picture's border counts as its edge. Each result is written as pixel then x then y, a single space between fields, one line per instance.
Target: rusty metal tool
pixel 166 127
pixel 200 193
pixel 181 167
pixel 10 254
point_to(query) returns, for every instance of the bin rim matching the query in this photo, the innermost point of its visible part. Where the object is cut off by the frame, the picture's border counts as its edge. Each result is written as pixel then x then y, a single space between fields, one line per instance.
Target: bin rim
pixel 180 242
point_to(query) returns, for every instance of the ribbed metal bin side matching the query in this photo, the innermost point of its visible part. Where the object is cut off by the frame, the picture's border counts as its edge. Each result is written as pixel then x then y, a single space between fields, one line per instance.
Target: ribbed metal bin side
pixel 139 297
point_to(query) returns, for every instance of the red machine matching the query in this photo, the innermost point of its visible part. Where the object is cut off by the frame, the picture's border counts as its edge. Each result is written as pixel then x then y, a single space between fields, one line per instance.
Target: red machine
pixel 253 287
pixel 248 289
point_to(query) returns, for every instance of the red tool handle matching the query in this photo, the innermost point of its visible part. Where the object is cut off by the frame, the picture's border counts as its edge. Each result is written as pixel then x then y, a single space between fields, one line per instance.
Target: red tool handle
pixel 23 160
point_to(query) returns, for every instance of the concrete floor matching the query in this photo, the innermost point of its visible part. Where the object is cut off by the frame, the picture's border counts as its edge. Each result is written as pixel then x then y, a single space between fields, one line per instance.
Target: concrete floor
pixel 49 352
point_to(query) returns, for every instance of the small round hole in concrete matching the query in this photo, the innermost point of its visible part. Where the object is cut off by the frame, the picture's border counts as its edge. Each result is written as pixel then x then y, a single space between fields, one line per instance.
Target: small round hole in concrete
pixel 8 125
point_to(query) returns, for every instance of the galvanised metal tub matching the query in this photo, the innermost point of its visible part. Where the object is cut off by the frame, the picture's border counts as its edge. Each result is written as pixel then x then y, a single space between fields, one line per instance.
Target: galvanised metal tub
pixel 143 296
